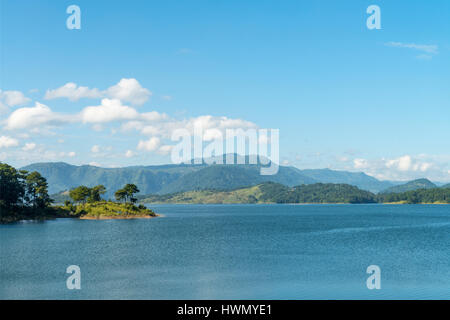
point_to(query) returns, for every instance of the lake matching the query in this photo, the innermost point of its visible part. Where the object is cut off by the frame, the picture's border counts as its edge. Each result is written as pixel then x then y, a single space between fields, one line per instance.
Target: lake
pixel 234 252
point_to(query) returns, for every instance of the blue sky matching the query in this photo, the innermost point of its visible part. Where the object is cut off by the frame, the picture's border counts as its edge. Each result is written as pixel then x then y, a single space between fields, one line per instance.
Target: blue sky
pixel 343 96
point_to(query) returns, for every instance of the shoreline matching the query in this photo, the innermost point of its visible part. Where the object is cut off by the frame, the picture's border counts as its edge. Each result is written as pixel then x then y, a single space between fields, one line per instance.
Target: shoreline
pixel 117 217
pixel 43 219
pixel 306 203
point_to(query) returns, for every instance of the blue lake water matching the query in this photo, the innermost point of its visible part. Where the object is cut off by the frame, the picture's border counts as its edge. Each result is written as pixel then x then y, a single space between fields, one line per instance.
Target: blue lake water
pixel 234 252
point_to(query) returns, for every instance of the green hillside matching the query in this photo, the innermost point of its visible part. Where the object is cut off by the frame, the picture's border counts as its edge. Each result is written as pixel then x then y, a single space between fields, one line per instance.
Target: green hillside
pixel 359 179
pixel 429 196
pixel 270 193
pixel 228 177
pixel 411 186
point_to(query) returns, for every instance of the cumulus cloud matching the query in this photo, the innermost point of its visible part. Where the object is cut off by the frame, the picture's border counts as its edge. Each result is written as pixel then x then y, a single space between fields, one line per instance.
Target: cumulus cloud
pixel 151 144
pixel 126 90
pixel 406 167
pixel 165 150
pixel 95 149
pixel 360 163
pixel 117 105
pixel 8 142
pixel 29 146
pixel 129 90
pixel 40 114
pixel 407 163
pixel 129 154
pixel 13 98
pixel 109 110
pixel 73 92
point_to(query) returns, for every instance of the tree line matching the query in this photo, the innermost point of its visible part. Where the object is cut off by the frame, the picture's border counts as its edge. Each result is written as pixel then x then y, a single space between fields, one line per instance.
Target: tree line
pixel 83 194
pixel 435 195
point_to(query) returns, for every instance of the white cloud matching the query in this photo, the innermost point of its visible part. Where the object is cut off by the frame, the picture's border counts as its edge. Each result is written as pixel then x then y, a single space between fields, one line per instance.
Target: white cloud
pixel 402 163
pixel 29 146
pixel 71 154
pixel 151 144
pixel 129 90
pixel 95 149
pixel 109 110
pixel 431 49
pixel 40 114
pixel 406 167
pixel 126 90
pixel 129 154
pixel 72 92
pixel 360 163
pixel 7 142
pixel 13 98
pixel 165 150
pixel 157 124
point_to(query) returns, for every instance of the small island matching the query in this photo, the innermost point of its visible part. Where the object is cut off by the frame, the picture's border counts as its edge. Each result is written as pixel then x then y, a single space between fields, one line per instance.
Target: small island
pixel 24 196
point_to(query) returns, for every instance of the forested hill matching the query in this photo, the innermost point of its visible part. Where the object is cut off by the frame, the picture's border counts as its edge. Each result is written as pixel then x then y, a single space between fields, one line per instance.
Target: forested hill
pixel 434 196
pixel 167 179
pixel 411 186
pixel 271 193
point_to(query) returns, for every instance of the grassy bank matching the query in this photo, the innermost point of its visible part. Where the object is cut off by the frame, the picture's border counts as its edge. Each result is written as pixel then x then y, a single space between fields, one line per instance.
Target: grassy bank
pixel 109 210
pixel 101 210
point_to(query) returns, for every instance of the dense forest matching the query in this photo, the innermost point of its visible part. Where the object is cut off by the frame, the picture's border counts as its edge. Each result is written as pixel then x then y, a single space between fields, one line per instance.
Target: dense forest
pixel 316 193
pixel 435 195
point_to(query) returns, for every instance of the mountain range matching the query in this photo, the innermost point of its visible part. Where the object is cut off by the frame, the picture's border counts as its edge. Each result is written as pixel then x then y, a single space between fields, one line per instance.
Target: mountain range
pixel 166 179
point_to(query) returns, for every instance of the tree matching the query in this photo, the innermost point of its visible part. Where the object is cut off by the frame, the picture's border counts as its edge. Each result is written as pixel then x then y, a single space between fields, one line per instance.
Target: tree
pixel 131 189
pixel 121 195
pixel 37 190
pixel 96 193
pixel 11 187
pixel 80 194
pixel 127 193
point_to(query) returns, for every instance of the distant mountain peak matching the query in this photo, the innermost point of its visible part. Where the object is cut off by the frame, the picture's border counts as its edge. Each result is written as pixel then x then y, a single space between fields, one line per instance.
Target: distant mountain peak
pixel 417 184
